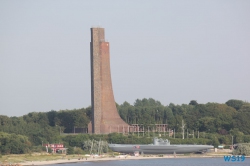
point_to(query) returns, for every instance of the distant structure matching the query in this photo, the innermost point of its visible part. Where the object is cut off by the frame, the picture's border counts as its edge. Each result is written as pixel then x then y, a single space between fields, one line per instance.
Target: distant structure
pixel 55 148
pixel 105 117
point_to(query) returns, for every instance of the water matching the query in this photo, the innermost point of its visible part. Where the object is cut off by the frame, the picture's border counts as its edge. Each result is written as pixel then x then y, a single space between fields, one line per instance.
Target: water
pixel 162 162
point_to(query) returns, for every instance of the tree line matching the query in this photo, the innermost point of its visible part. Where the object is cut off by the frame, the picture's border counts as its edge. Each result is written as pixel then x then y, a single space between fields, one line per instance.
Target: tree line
pixel 210 117
pixel 218 121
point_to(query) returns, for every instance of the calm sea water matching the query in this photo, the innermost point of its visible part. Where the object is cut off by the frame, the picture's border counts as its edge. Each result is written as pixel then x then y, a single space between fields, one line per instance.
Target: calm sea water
pixel 162 162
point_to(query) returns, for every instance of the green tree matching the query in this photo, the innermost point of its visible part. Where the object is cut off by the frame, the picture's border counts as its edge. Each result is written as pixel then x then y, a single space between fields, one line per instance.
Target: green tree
pixel 242 149
pixel 235 103
pixel 207 124
pixel 193 102
pixel 70 150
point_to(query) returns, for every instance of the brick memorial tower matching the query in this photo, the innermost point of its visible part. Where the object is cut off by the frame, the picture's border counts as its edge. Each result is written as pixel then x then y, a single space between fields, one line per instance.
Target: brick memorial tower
pixel 105 118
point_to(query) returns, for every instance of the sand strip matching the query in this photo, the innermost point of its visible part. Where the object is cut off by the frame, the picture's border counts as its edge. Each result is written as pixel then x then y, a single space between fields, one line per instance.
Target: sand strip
pixel 91 159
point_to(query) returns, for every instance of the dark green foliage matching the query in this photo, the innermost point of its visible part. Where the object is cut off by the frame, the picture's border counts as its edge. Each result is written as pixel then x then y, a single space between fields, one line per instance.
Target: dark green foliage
pixel 49 150
pixel 207 124
pixel 78 151
pixel 145 111
pixel 210 117
pixel 52 117
pixel 245 107
pixel 38 149
pixel 76 140
pixel 45 127
pixel 89 112
pixel 13 144
pixel 242 149
pixel 235 103
pixel 191 141
pixel 215 122
pixel 242 121
pixel 193 102
pixel 70 119
pixel 70 150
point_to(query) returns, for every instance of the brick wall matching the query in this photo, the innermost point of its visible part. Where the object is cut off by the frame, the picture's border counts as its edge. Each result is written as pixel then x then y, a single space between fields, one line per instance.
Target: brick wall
pixel 105 116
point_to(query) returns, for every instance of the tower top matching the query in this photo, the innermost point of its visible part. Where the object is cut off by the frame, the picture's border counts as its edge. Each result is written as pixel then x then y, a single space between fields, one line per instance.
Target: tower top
pixel 96 27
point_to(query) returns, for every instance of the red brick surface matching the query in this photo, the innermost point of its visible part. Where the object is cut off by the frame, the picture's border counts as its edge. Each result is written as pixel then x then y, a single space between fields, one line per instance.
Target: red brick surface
pixel 105 117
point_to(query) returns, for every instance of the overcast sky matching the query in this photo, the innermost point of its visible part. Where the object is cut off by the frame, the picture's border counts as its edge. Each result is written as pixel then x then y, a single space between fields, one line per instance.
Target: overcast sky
pixel 172 51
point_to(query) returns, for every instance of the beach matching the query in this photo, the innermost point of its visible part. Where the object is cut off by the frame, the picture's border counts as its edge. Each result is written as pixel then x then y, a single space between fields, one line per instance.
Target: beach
pixel 50 159
pixel 84 159
pixel 95 159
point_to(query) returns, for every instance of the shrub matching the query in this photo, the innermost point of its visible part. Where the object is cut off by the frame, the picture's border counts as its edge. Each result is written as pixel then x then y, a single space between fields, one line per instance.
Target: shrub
pixel 70 150
pixel 78 151
pixel 242 149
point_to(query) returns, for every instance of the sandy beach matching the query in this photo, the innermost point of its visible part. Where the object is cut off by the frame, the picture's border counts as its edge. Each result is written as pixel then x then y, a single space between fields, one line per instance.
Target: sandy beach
pixel 94 159
pixel 89 159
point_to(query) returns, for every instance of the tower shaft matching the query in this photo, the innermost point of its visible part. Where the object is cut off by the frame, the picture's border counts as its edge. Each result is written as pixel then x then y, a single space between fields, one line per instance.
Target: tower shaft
pixel 105 118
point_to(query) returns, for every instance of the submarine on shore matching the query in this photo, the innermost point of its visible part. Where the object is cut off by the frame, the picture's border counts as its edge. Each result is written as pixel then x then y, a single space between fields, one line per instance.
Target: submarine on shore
pixel 159 146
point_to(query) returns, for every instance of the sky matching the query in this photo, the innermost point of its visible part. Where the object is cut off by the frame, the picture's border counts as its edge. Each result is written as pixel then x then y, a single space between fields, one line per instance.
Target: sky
pixel 172 51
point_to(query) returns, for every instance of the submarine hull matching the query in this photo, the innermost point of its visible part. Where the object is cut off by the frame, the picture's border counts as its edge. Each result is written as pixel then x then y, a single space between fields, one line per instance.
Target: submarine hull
pixel 159 149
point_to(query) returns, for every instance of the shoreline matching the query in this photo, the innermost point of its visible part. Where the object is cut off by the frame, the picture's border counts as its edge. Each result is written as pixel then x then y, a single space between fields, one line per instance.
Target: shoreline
pixel 99 159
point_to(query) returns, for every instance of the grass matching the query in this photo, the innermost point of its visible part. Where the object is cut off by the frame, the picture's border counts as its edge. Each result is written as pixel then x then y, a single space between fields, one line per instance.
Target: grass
pixel 5 159
pixel 20 158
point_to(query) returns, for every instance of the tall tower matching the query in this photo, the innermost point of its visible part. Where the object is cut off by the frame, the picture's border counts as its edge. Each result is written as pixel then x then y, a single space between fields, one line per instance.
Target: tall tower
pixel 105 118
